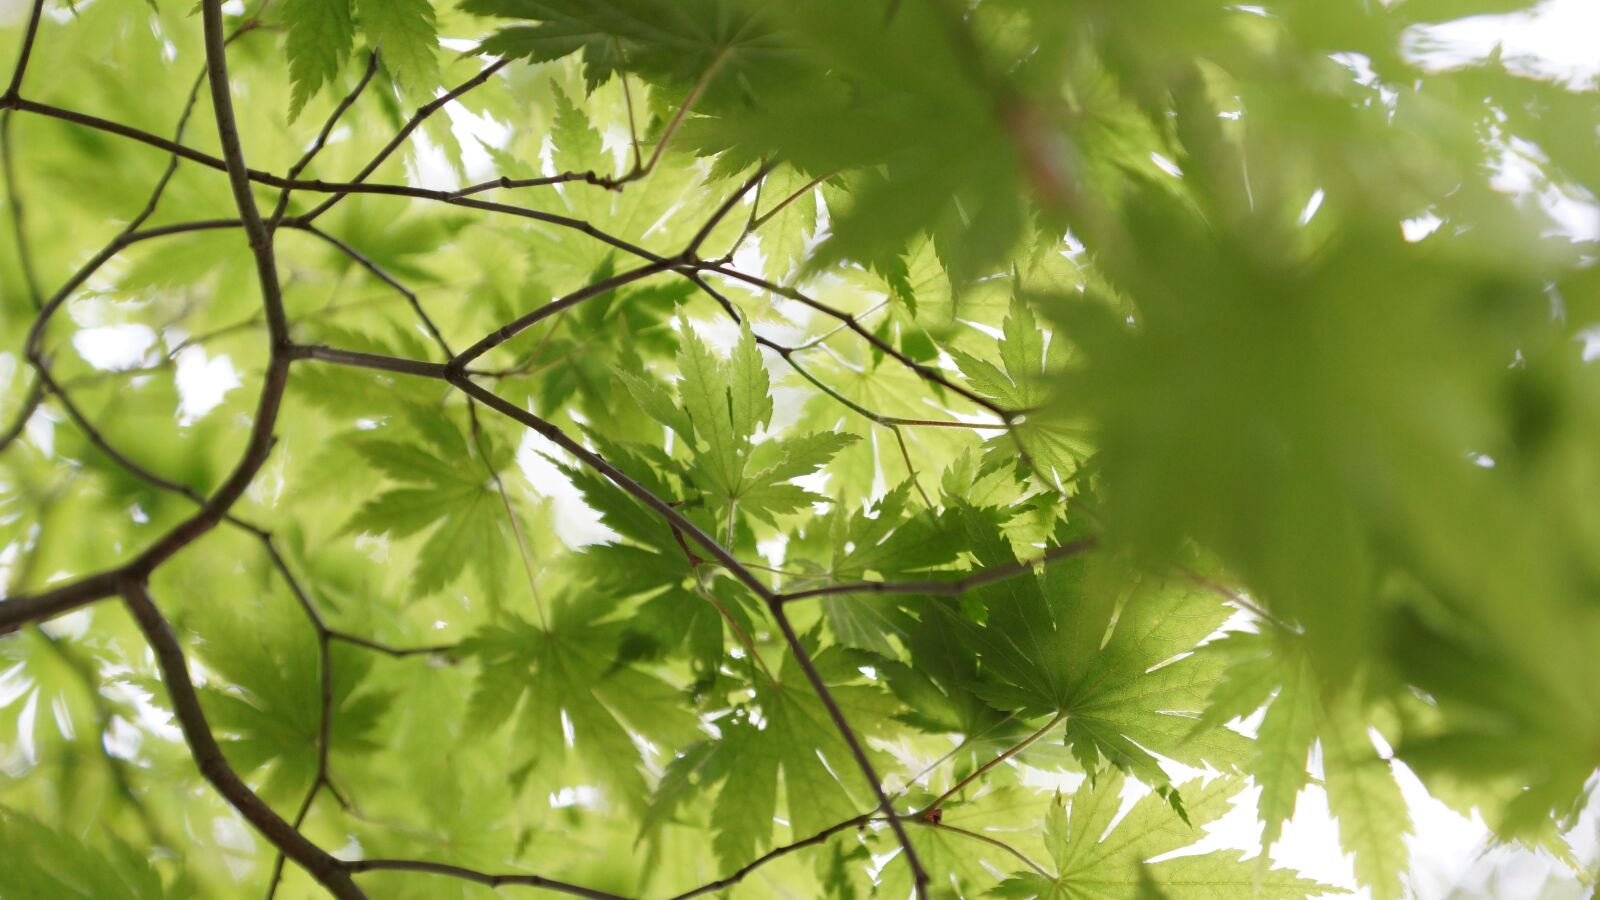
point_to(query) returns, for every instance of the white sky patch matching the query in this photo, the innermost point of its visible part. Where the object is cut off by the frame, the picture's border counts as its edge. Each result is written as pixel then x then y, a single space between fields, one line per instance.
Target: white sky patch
pixel 1556 40
pixel 1418 227
pixel 576 524
pixel 1166 165
pixel 114 347
pixel 1312 205
pixel 13 12
pixel 473 132
pixel 202 382
pixel 1519 171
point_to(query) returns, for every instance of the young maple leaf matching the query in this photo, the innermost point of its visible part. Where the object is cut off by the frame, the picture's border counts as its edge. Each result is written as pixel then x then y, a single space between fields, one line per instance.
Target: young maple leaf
pixel 785 731
pixel 1273 669
pixel 1092 862
pixel 563 676
pixel 720 407
pixel 447 488
pixel 1053 444
pixel 1045 650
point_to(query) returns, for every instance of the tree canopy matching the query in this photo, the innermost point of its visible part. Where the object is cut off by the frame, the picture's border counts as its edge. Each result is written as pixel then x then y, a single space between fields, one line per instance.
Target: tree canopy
pixel 837 448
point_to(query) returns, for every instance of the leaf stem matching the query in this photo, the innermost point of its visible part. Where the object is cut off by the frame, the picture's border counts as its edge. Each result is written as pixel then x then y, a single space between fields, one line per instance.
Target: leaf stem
pixel 986 767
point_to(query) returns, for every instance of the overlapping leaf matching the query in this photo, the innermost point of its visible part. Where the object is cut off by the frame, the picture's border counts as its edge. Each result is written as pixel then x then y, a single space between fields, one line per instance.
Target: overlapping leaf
pixel 1093 858
pixel 1045 648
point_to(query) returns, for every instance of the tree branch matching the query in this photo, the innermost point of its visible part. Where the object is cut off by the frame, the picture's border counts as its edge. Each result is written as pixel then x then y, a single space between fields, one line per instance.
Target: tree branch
pixel 952 588
pixel 979 772
pixel 484 878
pixel 328 871
pixel 322 136
pixel 400 136
pixel 919 875
pixel 507 332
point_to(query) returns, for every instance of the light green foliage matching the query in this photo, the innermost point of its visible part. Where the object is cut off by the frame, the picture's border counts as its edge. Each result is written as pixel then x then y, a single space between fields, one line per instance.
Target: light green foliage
pixel 1272 668
pixel 321 33
pixel 403 31
pixel 721 406
pixel 897 435
pixel 452 488
pixel 43 863
pixel 1090 861
pixel 1044 649
pixel 781 737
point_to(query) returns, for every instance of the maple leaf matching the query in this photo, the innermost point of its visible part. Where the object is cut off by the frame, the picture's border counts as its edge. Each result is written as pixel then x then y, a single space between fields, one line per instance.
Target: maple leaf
pixel 451 489
pixel 783 736
pixel 1273 669
pixel 1094 860
pixel 563 676
pixel 1049 645
pixel 721 406
pixel 667 39
pixel 42 862
pixel 1054 444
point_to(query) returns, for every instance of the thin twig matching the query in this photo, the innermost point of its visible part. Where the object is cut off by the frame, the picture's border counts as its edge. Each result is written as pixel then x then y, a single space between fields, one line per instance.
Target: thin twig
pixel 328 871
pixel 951 588
pixel 982 770
pixel 483 878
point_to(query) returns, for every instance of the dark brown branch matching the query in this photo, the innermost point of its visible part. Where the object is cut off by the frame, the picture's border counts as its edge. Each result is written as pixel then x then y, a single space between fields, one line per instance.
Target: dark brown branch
pixel 920 817
pixel 33 345
pixel 619 478
pixel 689 101
pixel 740 874
pixel 322 136
pixel 18 611
pixel 340 190
pixel 319 778
pixel 951 588
pixel 377 272
pixel 26 53
pixel 982 770
pixel 727 206
pixel 593 178
pixel 322 866
pixel 507 332
pixel 484 878
pixel 377 361
pixel 395 652
pixel 991 841
pixel 7 160
pixel 919 875
pixel 133 467
pixel 927 373
pixel 781 205
pixel 239 179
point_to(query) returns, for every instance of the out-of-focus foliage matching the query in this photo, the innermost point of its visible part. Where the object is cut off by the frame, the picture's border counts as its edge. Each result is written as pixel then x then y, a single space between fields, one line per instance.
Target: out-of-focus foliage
pixel 1210 383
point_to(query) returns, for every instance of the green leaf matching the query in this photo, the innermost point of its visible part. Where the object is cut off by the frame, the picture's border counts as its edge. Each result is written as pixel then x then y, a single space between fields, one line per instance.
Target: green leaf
pixel 577 143
pixel 453 491
pixel 403 31
pixel 1094 862
pixel 675 40
pixel 564 677
pixel 321 35
pixel 1043 653
pixel 1366 800
pixel 41 862
pixel 786 736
